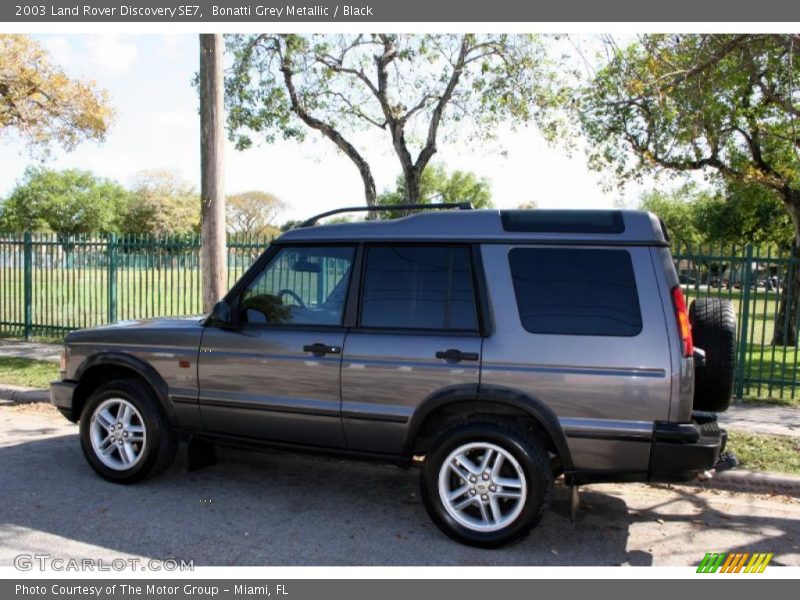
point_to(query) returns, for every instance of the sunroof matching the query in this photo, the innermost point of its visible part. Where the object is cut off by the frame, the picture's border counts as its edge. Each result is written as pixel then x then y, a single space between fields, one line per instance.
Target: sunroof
pixel 563 221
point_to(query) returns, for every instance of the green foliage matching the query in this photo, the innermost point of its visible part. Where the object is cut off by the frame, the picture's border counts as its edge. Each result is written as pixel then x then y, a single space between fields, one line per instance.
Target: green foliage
pixel 419 89
pixel 744 214
pixel 678 210
pixel 289 225
pixel 726 104
pixel 504 78
pixel 439 186
pixel 723 104
pixel 253 213
pixel 161 203
pixel 728 215
pixel 68 203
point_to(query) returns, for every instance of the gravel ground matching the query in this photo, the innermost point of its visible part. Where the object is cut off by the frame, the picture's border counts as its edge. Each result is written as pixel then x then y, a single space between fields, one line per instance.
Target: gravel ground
pixel 275 508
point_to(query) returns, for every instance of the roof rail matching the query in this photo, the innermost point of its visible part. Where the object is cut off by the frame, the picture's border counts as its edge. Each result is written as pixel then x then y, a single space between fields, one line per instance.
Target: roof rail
pixel 313 220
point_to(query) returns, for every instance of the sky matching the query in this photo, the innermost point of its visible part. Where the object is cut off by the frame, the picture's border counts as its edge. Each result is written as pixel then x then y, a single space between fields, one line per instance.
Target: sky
pixel 149 79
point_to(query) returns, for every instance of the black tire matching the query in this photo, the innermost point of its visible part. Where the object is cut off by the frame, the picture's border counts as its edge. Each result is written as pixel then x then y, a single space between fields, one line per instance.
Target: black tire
pixel 161 444
pixel 714 331
pixel 532 459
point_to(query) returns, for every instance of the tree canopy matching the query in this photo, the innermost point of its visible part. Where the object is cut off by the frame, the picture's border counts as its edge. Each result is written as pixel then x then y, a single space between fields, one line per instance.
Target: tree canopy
pixel 678 210
pixel 160 203
pixel 41 103
pixel 417 89
pixel 438 186
pixel 723 216
pixel 68 203
pixel 253 213
pixel 744 214
pixel 726 104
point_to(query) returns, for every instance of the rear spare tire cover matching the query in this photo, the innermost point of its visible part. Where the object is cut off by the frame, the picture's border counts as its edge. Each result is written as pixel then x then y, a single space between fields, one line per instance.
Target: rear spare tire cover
pixel 714 331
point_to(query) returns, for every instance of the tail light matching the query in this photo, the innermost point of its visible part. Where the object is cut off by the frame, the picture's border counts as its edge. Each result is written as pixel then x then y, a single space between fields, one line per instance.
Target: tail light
pixel 63 361
pixel 682 316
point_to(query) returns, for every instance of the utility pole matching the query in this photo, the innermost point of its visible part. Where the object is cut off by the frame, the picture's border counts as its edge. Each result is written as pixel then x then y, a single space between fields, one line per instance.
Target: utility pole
pixel 213 253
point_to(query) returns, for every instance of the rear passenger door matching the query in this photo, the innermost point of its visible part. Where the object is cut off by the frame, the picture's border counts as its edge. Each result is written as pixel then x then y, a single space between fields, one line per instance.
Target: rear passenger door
pixel 416 333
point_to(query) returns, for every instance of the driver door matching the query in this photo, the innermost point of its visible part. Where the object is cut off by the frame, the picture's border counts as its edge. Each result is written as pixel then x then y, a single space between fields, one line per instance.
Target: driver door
pixel 274 375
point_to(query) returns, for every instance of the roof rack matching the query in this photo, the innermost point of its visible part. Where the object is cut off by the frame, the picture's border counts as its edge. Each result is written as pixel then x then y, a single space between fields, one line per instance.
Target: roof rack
pixel 459 205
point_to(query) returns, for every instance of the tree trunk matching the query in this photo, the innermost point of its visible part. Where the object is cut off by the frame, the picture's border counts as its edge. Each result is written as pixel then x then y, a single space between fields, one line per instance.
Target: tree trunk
pixel 213 253
pixel 370 191
pixel 785 333
pixel 412 186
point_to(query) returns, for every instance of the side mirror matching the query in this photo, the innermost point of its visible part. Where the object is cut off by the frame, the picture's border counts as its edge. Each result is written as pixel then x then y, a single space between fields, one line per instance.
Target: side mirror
pixel 220 314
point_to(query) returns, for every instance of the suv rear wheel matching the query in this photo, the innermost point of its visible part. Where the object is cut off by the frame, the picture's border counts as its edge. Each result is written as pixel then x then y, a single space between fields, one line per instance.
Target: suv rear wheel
pixel 124 432
pixel 486 484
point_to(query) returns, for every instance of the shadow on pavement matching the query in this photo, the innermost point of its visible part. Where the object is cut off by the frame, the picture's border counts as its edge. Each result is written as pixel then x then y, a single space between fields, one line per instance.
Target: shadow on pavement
pixel 270 508
pixel 276 508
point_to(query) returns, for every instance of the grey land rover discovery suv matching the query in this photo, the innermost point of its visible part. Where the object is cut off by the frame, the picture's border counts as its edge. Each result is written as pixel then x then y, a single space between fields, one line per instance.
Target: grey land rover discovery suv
pixel 495 349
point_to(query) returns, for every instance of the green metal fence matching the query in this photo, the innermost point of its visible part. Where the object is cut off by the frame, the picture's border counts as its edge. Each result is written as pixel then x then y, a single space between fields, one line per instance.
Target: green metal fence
pixel 50 286
pixel 757 282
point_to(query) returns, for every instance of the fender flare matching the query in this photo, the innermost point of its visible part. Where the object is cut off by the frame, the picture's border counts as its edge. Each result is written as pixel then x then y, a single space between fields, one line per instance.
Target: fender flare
pixel 500 395
pixel 139 366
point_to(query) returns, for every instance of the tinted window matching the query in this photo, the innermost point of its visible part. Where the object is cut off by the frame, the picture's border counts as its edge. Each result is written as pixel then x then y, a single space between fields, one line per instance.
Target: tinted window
pixel 418 287
pixel 300 286
pixel 576 292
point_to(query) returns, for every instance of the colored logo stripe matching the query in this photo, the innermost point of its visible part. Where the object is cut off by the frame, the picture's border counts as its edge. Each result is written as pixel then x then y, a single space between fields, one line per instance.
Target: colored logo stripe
pixel 758 563
pixel 735 562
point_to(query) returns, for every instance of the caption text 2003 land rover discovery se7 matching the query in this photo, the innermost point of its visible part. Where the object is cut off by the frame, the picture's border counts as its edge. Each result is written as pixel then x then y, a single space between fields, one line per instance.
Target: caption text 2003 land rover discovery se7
pixel 505 347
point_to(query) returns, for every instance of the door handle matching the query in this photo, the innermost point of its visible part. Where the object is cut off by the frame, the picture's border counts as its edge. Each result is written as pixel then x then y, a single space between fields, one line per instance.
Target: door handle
pixel 456 355
pixel 322 349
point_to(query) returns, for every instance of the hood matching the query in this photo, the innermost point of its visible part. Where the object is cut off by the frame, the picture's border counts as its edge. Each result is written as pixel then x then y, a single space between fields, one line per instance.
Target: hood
pixel 136 330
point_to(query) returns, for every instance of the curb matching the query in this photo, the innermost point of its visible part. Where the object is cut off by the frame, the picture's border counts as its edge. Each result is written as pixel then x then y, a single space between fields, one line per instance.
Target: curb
pixel 742 480
pixel 22 395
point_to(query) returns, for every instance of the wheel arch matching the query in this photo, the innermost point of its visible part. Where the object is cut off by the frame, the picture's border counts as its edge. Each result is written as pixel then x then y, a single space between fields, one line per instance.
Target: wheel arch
pixel 105 367
pixel 457 403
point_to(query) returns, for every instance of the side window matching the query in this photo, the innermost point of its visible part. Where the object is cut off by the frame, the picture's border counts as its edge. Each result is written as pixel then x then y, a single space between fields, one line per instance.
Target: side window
pixel 305 285
pixel 418 287
pixel 576 291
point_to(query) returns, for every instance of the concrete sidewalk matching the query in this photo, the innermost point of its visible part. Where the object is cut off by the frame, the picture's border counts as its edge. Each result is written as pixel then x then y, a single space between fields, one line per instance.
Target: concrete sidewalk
pixel 762 418
pixel 35 350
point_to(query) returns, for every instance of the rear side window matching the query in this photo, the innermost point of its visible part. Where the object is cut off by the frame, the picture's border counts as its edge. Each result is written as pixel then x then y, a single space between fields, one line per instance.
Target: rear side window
pixel 418 287
pixel 576 291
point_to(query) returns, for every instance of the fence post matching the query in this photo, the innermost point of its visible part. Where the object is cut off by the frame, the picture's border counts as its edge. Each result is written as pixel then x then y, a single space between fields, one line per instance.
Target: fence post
pixel 743 326
pixel 27 274
pixel 112 277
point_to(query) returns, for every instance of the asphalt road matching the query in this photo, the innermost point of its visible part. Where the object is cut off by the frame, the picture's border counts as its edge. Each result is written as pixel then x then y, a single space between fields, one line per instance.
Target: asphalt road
pixel 281 509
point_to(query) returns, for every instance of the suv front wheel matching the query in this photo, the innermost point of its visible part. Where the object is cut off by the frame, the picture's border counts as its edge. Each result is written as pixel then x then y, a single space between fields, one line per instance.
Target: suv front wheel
pixel 486 484
pixel 124 432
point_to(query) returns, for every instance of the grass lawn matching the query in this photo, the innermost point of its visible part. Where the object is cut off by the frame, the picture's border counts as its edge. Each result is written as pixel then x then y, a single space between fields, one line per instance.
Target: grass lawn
pixel 772 375
pixel 27 372
pixel 759 452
